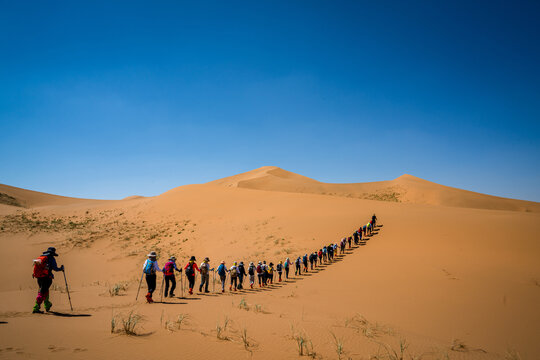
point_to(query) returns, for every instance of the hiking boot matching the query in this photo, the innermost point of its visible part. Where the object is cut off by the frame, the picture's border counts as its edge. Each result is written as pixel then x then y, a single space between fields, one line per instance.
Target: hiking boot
pixel 47 304
pixel 172 295
pixel 206 291
pixel 200 288
pixel 230 288
pixel 190 291
pixel 223 290
pixel 149 298
pixel 36 309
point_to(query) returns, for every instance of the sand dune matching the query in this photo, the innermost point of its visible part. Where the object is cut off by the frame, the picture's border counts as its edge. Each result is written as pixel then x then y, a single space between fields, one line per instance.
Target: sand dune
pixel 14 196
pixel 405 189
pixel 447 279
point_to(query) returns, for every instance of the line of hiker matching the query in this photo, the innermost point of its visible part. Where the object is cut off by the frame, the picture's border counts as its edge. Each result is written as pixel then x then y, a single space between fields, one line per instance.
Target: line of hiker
pixel 262 274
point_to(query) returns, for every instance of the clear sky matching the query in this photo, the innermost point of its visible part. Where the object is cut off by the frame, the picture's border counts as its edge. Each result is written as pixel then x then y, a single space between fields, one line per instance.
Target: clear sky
pixel 105 99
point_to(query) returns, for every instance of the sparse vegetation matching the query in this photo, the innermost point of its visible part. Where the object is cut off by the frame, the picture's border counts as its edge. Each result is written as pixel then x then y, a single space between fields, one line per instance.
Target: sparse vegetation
pixel 303 343
pixel 9 200
pixel 338 343
pixel 117 288
pixel 243 305
pixel 126 325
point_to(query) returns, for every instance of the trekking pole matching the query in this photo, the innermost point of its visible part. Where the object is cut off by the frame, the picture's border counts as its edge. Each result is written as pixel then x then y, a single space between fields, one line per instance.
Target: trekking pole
pixel 161 290
pixel 67 290
pixel 182 284
pixel 139 289
pixel 213 281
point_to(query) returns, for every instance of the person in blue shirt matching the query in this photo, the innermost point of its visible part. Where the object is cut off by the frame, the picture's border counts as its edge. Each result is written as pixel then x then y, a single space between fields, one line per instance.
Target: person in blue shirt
pixel 43 268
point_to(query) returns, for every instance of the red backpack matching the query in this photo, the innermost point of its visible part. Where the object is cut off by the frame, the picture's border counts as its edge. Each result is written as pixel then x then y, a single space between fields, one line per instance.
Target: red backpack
pixel 169 268
pixel 41 267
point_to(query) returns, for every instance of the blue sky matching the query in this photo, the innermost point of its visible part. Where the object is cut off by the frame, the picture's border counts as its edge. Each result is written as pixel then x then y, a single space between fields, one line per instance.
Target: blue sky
pixel 115 98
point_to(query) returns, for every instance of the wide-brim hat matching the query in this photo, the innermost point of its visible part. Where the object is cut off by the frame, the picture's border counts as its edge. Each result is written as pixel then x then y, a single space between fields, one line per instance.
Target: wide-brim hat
pixel 172 258
pixel 223 261
pixel 192 258
pixel 50 251
pixel 152 254
pixel 206 259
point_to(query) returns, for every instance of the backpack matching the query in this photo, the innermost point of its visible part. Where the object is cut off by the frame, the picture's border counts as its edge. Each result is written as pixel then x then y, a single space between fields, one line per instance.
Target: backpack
pixel 259 269
pixel 234 271
pixel 149 267
pixel 279 267
pixel 41 267
pixel 204 268
pixel 251 270
pixel 286 264
pixel 221 270
pixel 168 269
pixel 189 269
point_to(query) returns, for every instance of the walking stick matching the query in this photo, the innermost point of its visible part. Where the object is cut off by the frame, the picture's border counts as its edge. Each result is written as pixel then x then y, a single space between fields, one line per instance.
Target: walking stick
pixel 161 290
pixel 139 289
pixel 213 281
pixel 67 290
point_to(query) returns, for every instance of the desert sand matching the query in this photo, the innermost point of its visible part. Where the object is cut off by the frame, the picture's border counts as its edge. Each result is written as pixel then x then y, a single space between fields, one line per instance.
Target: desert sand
pixel 452 273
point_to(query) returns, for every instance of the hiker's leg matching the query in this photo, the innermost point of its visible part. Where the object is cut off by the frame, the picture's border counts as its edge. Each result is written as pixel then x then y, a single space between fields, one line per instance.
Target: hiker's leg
pixel 173 285
pixel 167 279
pixel 206 281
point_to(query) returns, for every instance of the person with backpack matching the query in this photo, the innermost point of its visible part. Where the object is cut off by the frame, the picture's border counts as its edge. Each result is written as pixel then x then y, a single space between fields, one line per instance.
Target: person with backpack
pixel 360 234
pixel 222 272
pixel 320 256
pixel 311 261
pixel 330 249
pixel 374 220
pixel 365 230
pixel 241 274
pixel 44 265
pixel 251 272
pixel 260 273
pixel 189 270
pixel 355 237
pixel 287 266
pixel 271 273
pixel 168 273
pixel 233 271
pixel 349 239
pixel 305 262
pixel 298 264
pixel 325 253
pixel 150 268
pixel 205 275
pixel 279 268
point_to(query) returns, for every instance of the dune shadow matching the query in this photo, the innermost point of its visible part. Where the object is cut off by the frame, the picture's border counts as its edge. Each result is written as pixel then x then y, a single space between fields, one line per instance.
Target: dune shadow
pixel 186 298
pixel 3 322
pixel 172 303
pixel 60 314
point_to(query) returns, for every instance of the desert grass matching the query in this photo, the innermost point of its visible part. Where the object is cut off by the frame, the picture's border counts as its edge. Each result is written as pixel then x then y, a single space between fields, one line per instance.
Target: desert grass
pixel 222 329
pixel 243 305
pixel 177 323
pixel 117 288
pixel 338 344
pixel 512 354
pixel 304 345
pixel 367 328
pixel 126 325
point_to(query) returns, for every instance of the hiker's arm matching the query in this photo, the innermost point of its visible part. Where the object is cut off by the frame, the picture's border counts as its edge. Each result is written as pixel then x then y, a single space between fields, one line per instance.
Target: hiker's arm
pixel 54 266
pixel 196 267
pixel 176 268
pixel 156 267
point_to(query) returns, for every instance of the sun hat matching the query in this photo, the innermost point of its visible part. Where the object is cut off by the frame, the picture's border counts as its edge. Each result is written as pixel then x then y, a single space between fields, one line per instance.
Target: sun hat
pixel 223 261
pixel 152 254
pixel 206 259
pixel 192 258
pixel 172 258
pixel 50 251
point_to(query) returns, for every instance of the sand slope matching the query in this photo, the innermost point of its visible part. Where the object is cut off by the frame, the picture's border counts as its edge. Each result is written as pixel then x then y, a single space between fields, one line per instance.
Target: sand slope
pixel 406 189
pixel 14 196
pixel 432 274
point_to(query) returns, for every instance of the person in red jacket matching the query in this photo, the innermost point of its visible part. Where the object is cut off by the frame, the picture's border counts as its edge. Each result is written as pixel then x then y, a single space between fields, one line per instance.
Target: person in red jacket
pixel 43 268
pixel 189 270
pixel 168 272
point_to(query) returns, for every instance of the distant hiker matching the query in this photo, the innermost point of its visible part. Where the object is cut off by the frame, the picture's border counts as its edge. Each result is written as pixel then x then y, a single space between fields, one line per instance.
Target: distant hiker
pixel 205 274
pixel 305 261
pixel 44 265
pixel 168 273
pixel 330 252
pixel 325 253
pixel 150 268
pixel 355 236
pixel 298 264
pixel 365 230
pixel 190 269
pixel 241 274
pixel 265 273
pixel 251 272
pixel 271 273
pixel 342 245
pixel 233 271
pixel 374 220
pixel 287 266
pixel 320 256
pixel 335 250
pixel 349 239
pixel 279 268
pixel 368 228
pixel 222 272
pixel 260 273
pixel 360 234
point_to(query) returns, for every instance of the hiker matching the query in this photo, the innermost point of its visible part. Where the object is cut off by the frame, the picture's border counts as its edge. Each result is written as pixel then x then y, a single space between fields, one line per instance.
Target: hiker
pixel 298 264
pixel 342 245
pixel 233 271
pixel 374 220
pixel 365 230
pixel 279 268
pixel 311 260
pixel 325 253
pixel 368 228
pixel 222 272
pixel 150 268
pixel 168 273
pixel 265 273
pixel 44 265
pixel 330 250
pixel 241 274
pixel 190 268
pixel 304 261
pixel 260 273
pixel 355 236
pixel 287 266
pixel 349 239
pixel 251 272
pixel 205 274
pixel 271 272
pixel 320 256
pixel 360 234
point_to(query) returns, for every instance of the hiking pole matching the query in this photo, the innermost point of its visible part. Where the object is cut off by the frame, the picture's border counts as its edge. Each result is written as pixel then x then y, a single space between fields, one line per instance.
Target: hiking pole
pixel 139 289
pixel 67 290
pixel 182 284
pixel 161 290
pixel 213 281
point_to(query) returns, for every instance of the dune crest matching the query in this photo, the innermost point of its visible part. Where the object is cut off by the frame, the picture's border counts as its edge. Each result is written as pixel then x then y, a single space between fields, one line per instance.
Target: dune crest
pixel 405 189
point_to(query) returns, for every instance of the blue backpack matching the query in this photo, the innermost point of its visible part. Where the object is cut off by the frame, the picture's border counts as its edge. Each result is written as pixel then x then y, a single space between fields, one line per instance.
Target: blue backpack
pixel 221 269
pixel 149 267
